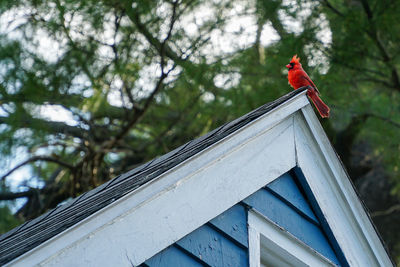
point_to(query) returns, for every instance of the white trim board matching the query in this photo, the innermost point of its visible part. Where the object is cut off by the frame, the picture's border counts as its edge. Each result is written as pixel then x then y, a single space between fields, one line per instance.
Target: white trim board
pixel 142 223
pixel 147 220
pixel 273 244
pixel 335 195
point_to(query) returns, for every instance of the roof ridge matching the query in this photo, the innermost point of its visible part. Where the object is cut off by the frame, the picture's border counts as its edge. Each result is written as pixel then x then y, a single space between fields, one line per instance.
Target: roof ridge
pixel 44 227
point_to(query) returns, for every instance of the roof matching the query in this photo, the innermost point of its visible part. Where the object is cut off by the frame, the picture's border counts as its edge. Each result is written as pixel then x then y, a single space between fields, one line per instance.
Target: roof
pixel 33 233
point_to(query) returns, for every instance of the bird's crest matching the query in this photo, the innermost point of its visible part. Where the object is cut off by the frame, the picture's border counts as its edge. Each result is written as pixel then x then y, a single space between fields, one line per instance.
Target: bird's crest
pixel 295 59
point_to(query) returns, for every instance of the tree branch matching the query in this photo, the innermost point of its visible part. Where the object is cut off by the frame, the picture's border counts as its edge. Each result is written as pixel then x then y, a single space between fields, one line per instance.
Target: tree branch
pixel 374 35
pixel 377 81
pixel 367 9
pixel 396 124
pixel 331 7
pixel 164 50
pixel 140 112
pixel 135 18
pixel 12 196
pixel 389 211
pixel 38 158
pixel 164 43
pixel 26 121
pixel 278 26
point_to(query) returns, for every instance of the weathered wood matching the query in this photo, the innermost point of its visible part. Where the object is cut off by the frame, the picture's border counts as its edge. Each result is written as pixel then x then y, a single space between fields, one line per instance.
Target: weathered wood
pixel 156 215
pixel 172 257
pixel 286 188
pixel 289 219
pixel 213 248
pixel 254 246
pixel 220 242
pixel 233 222
pixel 279 247
pixel 172 206
pixel 223 240
pixel 335 195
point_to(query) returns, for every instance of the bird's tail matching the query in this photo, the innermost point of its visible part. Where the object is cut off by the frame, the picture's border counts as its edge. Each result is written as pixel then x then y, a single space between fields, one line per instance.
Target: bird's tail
pixel 322 108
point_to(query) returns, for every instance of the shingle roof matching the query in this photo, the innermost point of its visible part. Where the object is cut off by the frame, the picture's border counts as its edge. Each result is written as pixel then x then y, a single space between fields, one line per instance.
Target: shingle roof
pixel 33 233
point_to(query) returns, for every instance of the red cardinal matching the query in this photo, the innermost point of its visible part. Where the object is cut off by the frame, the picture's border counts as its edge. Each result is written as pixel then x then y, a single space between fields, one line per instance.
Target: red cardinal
pixel 298 78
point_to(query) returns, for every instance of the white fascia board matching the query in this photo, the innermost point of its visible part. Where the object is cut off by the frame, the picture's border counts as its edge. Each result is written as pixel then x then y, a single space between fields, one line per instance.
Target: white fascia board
pixel 269 240
pixel 335 195
pixel 147 220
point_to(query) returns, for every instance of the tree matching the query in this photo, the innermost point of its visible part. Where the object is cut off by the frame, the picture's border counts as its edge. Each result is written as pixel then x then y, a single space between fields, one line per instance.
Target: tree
pixel 139 78
pixel 114 64
pixel 365 68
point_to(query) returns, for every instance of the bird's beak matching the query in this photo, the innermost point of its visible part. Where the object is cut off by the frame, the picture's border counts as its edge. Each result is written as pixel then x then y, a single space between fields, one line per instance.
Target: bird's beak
pixel 288 66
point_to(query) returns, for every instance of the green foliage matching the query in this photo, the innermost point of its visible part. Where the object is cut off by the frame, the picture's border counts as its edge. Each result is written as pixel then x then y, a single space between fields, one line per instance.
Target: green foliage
pixel 8 221
pixel 91 89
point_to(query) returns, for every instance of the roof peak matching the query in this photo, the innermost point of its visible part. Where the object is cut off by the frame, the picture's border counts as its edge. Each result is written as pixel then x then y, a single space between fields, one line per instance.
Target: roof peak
pixel 32 233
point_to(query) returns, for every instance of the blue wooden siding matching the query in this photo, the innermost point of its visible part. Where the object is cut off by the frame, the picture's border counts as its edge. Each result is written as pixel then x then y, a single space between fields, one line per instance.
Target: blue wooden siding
pixel 220 242
pixel 173 256
pixel 299 221
pixel 223 241
pixel 298 174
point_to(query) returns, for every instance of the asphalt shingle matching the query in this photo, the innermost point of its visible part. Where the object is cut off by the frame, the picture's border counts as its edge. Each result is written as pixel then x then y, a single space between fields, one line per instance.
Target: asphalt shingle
pixel 33 233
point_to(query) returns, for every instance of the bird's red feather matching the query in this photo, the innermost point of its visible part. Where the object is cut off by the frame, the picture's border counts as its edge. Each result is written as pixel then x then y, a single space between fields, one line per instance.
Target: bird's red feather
pixel 298 78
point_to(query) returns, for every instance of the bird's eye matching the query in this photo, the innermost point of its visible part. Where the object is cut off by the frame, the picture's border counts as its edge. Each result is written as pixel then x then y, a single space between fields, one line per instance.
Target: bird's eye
pixel 292 64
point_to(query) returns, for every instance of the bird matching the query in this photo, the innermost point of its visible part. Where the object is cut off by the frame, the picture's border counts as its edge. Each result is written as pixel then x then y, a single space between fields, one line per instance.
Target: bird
pixel 297 78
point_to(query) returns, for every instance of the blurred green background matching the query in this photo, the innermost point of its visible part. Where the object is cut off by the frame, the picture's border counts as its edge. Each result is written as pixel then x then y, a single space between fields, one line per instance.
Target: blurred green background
pixel 90 89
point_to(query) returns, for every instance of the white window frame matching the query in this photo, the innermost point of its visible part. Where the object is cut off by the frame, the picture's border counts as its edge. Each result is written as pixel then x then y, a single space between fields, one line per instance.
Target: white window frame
pixel 269 243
